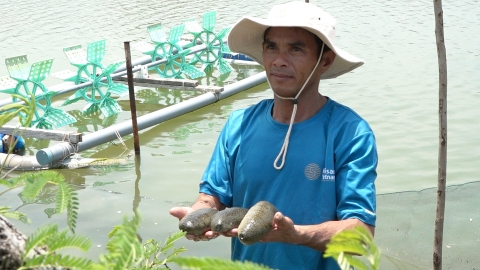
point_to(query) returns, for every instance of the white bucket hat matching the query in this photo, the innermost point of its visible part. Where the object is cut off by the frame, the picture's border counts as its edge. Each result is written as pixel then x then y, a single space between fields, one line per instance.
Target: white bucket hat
pixel 246 36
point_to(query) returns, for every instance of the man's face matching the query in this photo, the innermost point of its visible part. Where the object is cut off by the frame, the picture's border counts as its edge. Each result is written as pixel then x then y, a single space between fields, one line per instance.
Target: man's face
pixel 289 56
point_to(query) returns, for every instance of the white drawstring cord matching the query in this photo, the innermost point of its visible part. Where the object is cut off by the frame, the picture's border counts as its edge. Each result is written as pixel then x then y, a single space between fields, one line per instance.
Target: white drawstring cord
pixel 283 151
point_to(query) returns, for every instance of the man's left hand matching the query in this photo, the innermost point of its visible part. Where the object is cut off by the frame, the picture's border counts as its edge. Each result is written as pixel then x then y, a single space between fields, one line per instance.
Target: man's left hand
pixel 283 230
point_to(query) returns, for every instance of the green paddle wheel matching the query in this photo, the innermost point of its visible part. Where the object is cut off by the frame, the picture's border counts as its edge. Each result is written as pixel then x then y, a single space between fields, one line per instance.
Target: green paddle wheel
pixel 90 69
pixel 169 49
pixel 25 81
pixel 212 56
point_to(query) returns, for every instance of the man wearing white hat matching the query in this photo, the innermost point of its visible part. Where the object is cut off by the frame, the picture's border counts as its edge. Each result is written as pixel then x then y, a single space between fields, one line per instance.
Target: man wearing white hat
pixel 311 157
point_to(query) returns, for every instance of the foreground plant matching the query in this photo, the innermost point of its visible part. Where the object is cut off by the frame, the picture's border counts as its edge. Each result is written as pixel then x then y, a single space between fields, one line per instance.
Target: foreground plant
pixel 37 185
pixel 347 246
pixel 48 239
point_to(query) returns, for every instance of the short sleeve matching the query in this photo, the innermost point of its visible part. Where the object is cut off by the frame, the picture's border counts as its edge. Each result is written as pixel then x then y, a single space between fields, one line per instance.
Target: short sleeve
pixel 217 179
pixel 355 181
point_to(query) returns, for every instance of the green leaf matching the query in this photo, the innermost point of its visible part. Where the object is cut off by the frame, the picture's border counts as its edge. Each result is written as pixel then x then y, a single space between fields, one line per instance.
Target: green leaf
pixel 346 245
pixel 34 184
pixel 206 263
pixel 12 182
pixel 171 239
pixel 63 197
pixel 6 117
pixel 63 240
pixel 40 237
pixel 150 247
pixel 124 246
pixel 58 260
pixel 72 208
pixel 5 211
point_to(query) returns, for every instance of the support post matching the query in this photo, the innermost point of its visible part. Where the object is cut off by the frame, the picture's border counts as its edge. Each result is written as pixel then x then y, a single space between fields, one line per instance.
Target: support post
pixel 442 147
pixel 131 91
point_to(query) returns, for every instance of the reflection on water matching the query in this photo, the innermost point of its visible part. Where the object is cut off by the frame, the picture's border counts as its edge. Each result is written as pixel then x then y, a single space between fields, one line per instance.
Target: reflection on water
pixel 152 99
pixel 137 198
pixel 87 123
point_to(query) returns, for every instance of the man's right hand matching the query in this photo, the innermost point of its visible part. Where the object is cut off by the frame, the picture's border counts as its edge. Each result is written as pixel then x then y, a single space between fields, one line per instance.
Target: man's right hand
pixel 180 212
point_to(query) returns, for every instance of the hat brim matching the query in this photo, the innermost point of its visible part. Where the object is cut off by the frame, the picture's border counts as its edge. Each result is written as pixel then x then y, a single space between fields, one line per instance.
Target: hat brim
pixel 246 37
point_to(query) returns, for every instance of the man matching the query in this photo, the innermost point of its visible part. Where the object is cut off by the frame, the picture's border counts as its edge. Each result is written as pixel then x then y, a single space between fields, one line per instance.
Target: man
pixel 311 157
pixel 8 141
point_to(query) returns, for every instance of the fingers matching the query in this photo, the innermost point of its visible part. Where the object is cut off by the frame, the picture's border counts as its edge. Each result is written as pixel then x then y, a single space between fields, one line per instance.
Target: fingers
pixel 204 237
pixel 180 212
pixel 231 233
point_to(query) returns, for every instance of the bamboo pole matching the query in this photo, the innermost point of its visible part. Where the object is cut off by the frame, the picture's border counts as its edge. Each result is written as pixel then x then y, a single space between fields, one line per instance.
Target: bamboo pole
pixel 442 147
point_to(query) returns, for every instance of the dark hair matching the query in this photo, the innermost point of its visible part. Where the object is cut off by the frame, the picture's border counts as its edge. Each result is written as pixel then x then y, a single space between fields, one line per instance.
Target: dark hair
pixel 317 40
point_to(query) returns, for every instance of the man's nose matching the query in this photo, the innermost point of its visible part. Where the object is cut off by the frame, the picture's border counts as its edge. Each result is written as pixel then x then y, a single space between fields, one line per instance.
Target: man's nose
pixel 280 60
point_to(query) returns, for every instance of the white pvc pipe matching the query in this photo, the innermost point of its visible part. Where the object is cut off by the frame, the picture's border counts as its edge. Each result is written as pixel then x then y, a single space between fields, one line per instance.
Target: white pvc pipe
pixel 29 163
pixel 59 151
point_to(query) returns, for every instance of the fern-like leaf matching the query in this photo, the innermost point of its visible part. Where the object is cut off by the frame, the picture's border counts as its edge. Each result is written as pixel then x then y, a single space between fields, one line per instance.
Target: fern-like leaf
pixel 53 176
pixel 72 210
pixel 40 237
pixel 58 260
pixel 5 211
pixel 12 182
pixel 64 240
pixel 124 246
pixel 150 247
pixel 63 197
pixel 206 263
pixel 347 244
pixel 33 185
pixel 172 239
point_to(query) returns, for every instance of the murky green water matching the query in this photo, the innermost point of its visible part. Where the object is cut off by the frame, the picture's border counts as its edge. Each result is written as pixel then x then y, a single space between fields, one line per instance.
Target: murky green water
pixel 396 91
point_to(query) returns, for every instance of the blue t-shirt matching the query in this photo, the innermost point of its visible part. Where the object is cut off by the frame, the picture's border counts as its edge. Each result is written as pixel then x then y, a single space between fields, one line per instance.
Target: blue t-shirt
pixel 329 174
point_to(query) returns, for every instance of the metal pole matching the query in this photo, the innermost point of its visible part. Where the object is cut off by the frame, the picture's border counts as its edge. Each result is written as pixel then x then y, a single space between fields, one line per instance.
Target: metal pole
pixel 131 92
pixel 58 151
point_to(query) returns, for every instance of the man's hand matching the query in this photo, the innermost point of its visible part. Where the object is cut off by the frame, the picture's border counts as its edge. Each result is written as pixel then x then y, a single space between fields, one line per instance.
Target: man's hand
pixel 315 236
pixel 283 230
pixel 203 200
pixel 180 212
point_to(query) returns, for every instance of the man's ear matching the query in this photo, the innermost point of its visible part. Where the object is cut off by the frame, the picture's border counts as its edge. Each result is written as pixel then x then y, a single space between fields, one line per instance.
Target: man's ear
pixel 327 60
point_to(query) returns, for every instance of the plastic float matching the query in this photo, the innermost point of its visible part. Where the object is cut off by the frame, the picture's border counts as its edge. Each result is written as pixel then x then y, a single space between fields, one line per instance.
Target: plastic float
pixel 212 56
pixel 26 81
pixel 90 69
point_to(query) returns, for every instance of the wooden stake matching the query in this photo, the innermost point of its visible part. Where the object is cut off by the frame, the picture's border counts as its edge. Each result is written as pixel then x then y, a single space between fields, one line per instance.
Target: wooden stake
pixel 131 91
pixel 442 147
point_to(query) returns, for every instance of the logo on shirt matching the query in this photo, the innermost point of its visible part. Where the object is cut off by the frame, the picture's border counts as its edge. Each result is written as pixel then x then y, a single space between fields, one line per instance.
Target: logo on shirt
pixel 328 175
pixel 313 172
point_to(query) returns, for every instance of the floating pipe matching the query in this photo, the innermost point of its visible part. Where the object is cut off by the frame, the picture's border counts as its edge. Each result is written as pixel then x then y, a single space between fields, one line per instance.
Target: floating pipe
pixel 59 151
pixel 29 163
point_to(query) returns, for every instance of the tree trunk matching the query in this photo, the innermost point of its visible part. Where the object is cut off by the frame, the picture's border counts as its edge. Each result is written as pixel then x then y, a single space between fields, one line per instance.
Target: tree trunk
pixel 12 245
pixel 442 149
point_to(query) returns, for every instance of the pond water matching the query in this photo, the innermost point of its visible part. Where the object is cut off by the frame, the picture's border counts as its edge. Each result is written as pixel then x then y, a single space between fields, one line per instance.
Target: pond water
pixel 396 91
